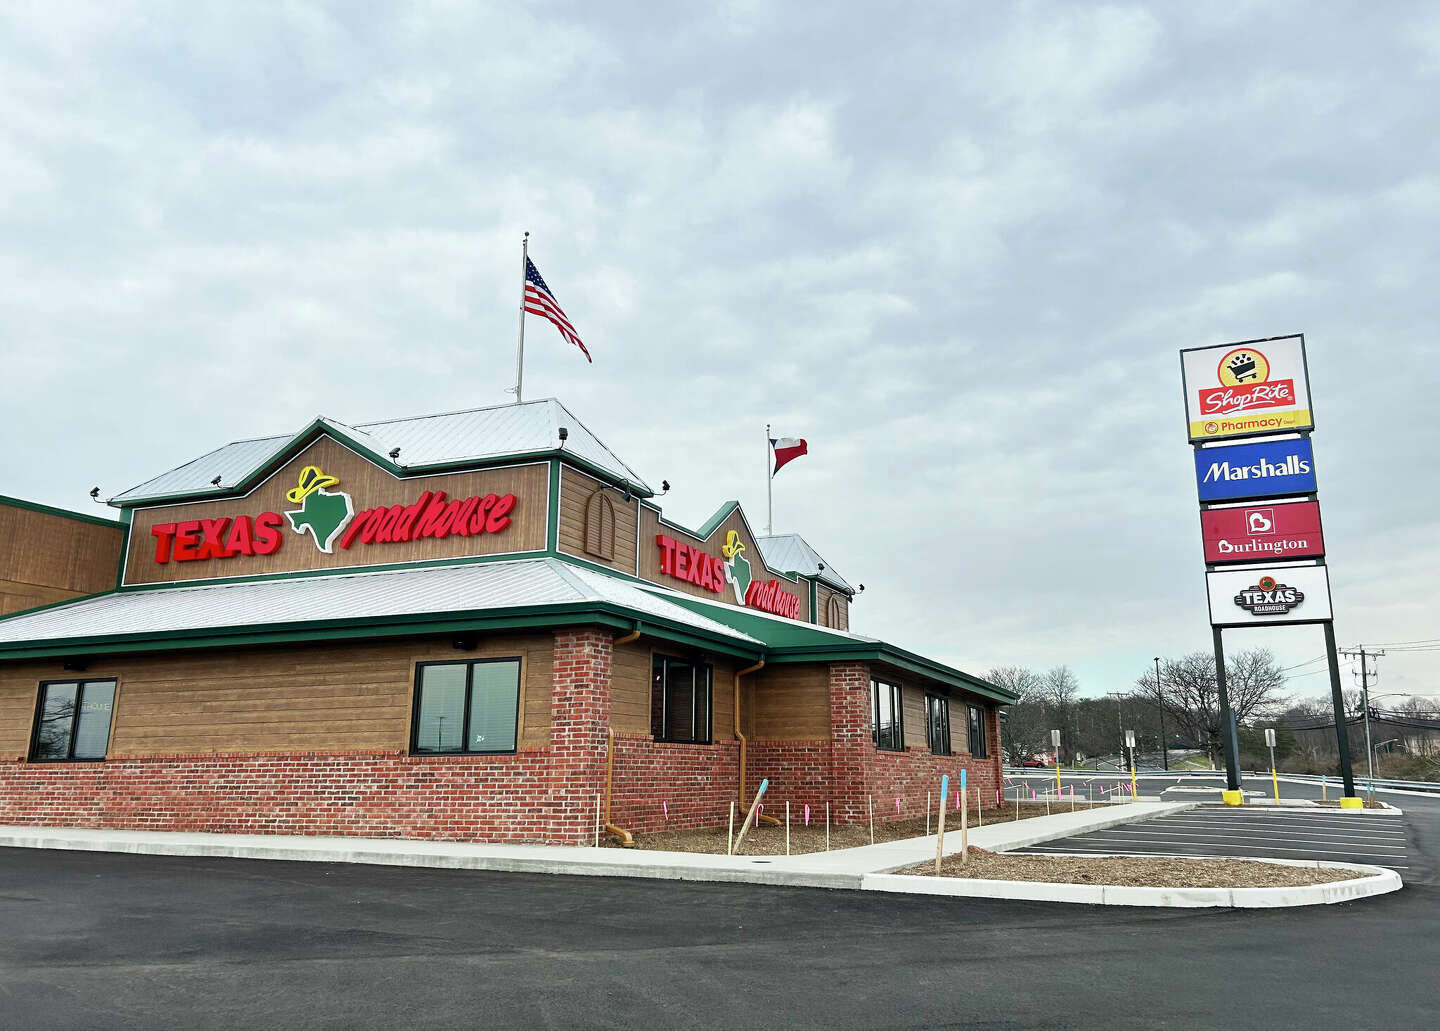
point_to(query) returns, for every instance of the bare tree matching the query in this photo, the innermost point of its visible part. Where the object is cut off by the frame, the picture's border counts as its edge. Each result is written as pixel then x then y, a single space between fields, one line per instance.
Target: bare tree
pixel 1190 696
pixel 1024 729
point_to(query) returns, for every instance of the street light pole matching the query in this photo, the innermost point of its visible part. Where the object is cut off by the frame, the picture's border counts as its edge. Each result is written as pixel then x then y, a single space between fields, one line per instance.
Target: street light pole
pixel 1160 704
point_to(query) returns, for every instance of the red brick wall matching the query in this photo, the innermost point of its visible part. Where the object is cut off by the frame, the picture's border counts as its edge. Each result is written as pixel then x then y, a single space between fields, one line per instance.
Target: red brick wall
pixel 695 783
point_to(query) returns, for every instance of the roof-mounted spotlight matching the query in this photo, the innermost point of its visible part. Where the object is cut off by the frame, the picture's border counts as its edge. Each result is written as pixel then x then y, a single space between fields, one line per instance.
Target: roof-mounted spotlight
pixel 394 454
pixel 215 482
pixel 860 591
pixel 564 435
pixel 664 487
pixel 95 495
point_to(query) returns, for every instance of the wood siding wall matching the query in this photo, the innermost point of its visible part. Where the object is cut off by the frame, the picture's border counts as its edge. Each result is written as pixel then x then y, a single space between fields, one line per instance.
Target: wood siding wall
pixel 650 526
pixel 46 557
pixel 283 699
pixel 576 489
pixel 823 597
pixel 791 703
pixel 369 486
pixel 631 685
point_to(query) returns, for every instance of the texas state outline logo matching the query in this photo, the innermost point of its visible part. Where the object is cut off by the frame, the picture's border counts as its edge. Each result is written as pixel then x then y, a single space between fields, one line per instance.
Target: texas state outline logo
pixel 322 513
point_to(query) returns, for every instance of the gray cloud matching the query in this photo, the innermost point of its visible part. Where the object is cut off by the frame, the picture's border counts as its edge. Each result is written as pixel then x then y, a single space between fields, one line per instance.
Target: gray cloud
pixel 957 248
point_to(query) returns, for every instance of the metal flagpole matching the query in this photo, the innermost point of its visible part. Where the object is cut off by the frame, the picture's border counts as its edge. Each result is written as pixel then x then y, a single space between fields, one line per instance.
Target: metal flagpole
pixel 769 487
pixel 520 342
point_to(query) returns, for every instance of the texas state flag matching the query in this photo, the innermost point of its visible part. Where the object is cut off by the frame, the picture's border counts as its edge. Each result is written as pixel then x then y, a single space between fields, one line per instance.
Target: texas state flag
pixel 787 449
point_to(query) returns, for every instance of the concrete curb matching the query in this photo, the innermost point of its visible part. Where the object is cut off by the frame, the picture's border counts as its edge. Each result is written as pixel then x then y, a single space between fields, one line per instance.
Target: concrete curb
pixel 1369 880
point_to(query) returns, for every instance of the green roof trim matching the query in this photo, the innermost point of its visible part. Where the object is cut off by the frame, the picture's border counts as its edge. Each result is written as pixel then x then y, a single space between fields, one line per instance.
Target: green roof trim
pixel 788 641
pixel 65 513
pixel 536 617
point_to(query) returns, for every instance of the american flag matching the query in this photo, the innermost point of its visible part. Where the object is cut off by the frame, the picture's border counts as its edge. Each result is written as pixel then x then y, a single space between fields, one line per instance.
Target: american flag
pixel 540 301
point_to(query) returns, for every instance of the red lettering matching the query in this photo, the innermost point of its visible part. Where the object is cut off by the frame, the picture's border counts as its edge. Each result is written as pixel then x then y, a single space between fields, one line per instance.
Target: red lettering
pixel 372 524
pixel 386 533
pixel 428 523
pixel 500 514
pixel 187 537
pixel 405 529
pixel 213 545
pixel 163 534
pixel 357 524
pixel 667 553
pixel 682 562
pixel 482 511
pixel 239 542
pixel 267 533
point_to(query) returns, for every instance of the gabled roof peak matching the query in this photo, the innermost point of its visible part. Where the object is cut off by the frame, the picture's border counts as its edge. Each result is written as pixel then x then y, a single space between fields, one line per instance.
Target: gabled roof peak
pixel 478 436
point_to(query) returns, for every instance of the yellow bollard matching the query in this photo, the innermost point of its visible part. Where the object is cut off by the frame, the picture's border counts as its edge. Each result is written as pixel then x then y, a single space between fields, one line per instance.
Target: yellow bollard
pixel 1275 779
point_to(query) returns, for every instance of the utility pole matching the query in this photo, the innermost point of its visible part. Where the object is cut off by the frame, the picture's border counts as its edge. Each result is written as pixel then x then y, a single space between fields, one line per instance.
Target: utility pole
pixel 1365 702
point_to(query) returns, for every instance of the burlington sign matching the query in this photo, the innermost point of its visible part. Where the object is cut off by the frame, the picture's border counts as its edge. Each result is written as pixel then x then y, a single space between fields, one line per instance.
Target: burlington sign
pixel 1265 469
pixel 1262 532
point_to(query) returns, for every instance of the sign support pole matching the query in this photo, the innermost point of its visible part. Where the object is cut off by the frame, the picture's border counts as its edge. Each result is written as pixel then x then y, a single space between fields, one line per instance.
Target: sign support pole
pixel 1337 701
pixel 1227 725
pixel 769 487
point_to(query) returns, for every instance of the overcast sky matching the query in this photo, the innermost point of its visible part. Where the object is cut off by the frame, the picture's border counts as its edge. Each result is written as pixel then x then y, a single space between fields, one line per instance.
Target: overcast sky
pixel 957 247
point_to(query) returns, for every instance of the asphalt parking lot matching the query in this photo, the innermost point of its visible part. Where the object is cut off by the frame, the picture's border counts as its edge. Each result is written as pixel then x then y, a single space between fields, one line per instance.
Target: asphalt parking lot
pixel 1344 837
pixel 97 940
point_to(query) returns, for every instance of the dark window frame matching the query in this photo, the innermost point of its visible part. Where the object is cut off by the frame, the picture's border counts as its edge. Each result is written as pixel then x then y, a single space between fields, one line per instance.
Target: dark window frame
pixel 80 684
pixel 469 665
pixel 930 701
pixel 696 664
pixel 897 729
pixel 975 726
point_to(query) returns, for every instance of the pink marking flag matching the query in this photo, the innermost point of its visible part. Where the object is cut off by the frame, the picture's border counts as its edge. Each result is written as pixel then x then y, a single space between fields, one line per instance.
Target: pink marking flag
pixel 666 806
pixel 897 807
pixel 807 814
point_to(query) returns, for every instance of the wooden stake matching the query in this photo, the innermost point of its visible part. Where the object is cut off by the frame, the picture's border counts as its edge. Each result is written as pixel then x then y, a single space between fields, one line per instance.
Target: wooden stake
pixel 787 827
pixel 927 813
pixel 979 809
pixel 750 816
pixel 827 826
pixel 597 819
pixel 730 834
pixel 1072 798
pixel 871 799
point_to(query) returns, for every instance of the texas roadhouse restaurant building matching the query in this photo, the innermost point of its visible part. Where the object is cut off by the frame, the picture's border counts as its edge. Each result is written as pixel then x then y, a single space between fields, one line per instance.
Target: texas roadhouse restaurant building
pixel 475 626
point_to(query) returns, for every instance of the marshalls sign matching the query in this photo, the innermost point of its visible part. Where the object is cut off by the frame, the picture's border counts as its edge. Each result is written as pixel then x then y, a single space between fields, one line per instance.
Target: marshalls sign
pixel 1247 389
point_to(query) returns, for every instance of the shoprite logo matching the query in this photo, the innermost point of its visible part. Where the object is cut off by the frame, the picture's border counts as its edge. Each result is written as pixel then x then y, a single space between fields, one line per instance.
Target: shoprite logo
pixel 1245 385
pixel 1268 598
pixel 322 513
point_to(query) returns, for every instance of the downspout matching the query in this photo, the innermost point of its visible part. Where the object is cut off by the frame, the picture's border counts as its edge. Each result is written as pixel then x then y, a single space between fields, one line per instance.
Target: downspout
pixel 735 709
pixel 627 840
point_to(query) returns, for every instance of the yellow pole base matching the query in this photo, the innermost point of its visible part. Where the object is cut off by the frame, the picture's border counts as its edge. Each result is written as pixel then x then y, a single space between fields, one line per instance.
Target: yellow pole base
pixel 1233 797
pixel 1352 803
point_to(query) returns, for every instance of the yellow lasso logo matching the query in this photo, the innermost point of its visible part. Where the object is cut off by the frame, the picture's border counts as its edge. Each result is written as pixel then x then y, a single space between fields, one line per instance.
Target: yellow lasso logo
pixel 311 480
pixel 732 545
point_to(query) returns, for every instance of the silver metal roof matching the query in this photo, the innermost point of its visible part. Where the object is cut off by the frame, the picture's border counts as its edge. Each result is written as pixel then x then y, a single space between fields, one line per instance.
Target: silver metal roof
pixel 480 434
pixel 494 586
pixel 788 553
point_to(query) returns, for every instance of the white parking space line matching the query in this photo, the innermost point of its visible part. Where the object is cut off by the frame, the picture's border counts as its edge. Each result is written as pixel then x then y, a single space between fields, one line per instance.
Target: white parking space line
pixel 1262 832
pixel 1045 850
pixel 1141 834
pixel 1373 856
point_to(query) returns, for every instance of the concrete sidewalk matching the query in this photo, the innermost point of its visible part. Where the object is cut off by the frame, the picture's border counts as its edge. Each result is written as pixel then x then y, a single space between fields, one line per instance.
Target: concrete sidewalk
pixel 845 868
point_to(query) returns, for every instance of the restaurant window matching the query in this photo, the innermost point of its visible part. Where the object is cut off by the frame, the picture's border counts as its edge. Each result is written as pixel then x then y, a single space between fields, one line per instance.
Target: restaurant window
pixel 680 700
pixel 466 707
pixel 977 732
pixel 937 720
pixel 73 720
pixel 889 731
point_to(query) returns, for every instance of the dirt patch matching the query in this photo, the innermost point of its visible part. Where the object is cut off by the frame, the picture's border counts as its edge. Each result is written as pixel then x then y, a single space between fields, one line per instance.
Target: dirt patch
pixel 770 841
pixel 1156 872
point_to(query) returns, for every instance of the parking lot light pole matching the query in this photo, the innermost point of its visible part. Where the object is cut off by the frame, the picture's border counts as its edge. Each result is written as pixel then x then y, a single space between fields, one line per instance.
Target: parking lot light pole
pixel 1160 704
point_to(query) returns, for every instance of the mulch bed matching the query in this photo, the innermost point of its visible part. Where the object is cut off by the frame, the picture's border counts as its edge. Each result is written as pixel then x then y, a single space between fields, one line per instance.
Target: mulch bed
pixel 1370 803
pixel 770 841
pixel 1158 872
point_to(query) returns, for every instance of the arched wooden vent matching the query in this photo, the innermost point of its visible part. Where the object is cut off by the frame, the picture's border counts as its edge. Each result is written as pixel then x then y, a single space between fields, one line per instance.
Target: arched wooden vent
pixel 600 526
pixel 835 614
